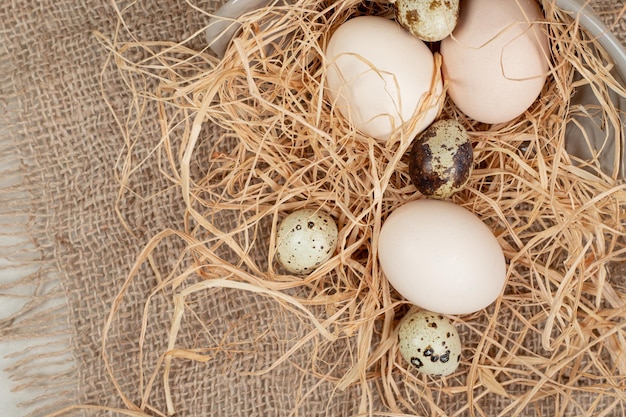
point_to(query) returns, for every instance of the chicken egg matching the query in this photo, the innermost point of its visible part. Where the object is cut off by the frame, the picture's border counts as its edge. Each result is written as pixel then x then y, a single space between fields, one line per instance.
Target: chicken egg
pixel 495 63
pixel 380 77
pixel 430 342
pixel 306 238
pixel 441 257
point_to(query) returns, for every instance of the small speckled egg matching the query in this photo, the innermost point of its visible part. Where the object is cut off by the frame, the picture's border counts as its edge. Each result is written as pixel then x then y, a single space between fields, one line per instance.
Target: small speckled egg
pixel 429 20
pixel 430 342
pixel 441 159
pixel 306 238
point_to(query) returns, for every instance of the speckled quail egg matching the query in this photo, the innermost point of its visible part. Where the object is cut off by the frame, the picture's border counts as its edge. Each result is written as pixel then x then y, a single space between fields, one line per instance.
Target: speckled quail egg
pixel 306 238
pixel 441 159
pixel 430 342
pixel 429 20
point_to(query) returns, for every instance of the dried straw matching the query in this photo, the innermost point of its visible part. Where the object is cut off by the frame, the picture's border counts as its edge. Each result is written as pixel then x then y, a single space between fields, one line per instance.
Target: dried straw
pixel 251 137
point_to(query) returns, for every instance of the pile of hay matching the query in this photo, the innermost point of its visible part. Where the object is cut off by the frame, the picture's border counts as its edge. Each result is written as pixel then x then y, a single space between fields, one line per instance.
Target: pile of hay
pixel 250 137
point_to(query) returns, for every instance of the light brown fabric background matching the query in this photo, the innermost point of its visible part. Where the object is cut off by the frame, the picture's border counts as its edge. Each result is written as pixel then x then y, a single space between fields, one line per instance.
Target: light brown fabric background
pixel 68 144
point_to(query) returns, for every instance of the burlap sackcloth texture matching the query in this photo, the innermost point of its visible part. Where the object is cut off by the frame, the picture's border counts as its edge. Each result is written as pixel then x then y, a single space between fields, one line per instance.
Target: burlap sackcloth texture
pixel 65 187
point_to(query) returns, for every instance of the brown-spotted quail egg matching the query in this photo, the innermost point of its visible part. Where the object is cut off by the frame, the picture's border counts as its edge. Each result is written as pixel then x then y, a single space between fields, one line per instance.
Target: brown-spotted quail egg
pixel 441 159
pixel 306 238
pixel 429 20
pixel 430 342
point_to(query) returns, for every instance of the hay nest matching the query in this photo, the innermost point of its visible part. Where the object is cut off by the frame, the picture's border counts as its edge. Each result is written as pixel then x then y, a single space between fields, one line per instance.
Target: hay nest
pixel 251 136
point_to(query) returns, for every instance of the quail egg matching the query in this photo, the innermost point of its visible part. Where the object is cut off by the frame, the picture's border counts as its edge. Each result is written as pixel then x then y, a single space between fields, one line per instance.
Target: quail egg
pixel 441 159
pixel 428 20
pixel 430 342
pixel 306 238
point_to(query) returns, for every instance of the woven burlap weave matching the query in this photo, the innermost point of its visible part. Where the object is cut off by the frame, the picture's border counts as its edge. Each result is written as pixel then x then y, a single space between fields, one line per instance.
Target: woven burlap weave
pixel 68 139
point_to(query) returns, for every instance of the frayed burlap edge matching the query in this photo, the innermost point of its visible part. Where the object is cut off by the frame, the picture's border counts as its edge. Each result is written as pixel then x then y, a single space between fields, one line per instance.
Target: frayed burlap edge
pixel 37 335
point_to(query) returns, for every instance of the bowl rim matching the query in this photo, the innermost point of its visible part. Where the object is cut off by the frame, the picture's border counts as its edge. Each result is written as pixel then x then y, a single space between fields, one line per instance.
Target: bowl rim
pixel 590 20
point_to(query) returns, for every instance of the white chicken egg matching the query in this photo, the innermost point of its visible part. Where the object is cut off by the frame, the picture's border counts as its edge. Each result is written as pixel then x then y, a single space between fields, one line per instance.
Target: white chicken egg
pixel 441 257
pixel 380 77
pixel 306 238
pixel 430 342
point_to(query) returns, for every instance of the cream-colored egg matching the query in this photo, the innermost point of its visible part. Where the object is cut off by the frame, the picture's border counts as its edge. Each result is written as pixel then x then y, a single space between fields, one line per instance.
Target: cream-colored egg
pixel 430 342
pixel 496 61
pixel 441 257
pixel 429 20
pixel 380 77
pixel 306 238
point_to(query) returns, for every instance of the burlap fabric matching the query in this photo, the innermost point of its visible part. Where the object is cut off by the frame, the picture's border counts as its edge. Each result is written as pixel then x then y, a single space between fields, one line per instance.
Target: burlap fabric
pixel 68 140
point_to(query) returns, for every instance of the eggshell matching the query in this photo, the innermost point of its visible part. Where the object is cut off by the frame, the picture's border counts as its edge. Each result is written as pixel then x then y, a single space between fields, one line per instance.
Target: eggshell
pixel 441 257
pixel 441 159
pixel 378 76
pixel 306 238
pixel 429 20
pixel 495 62
pixel 430 342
